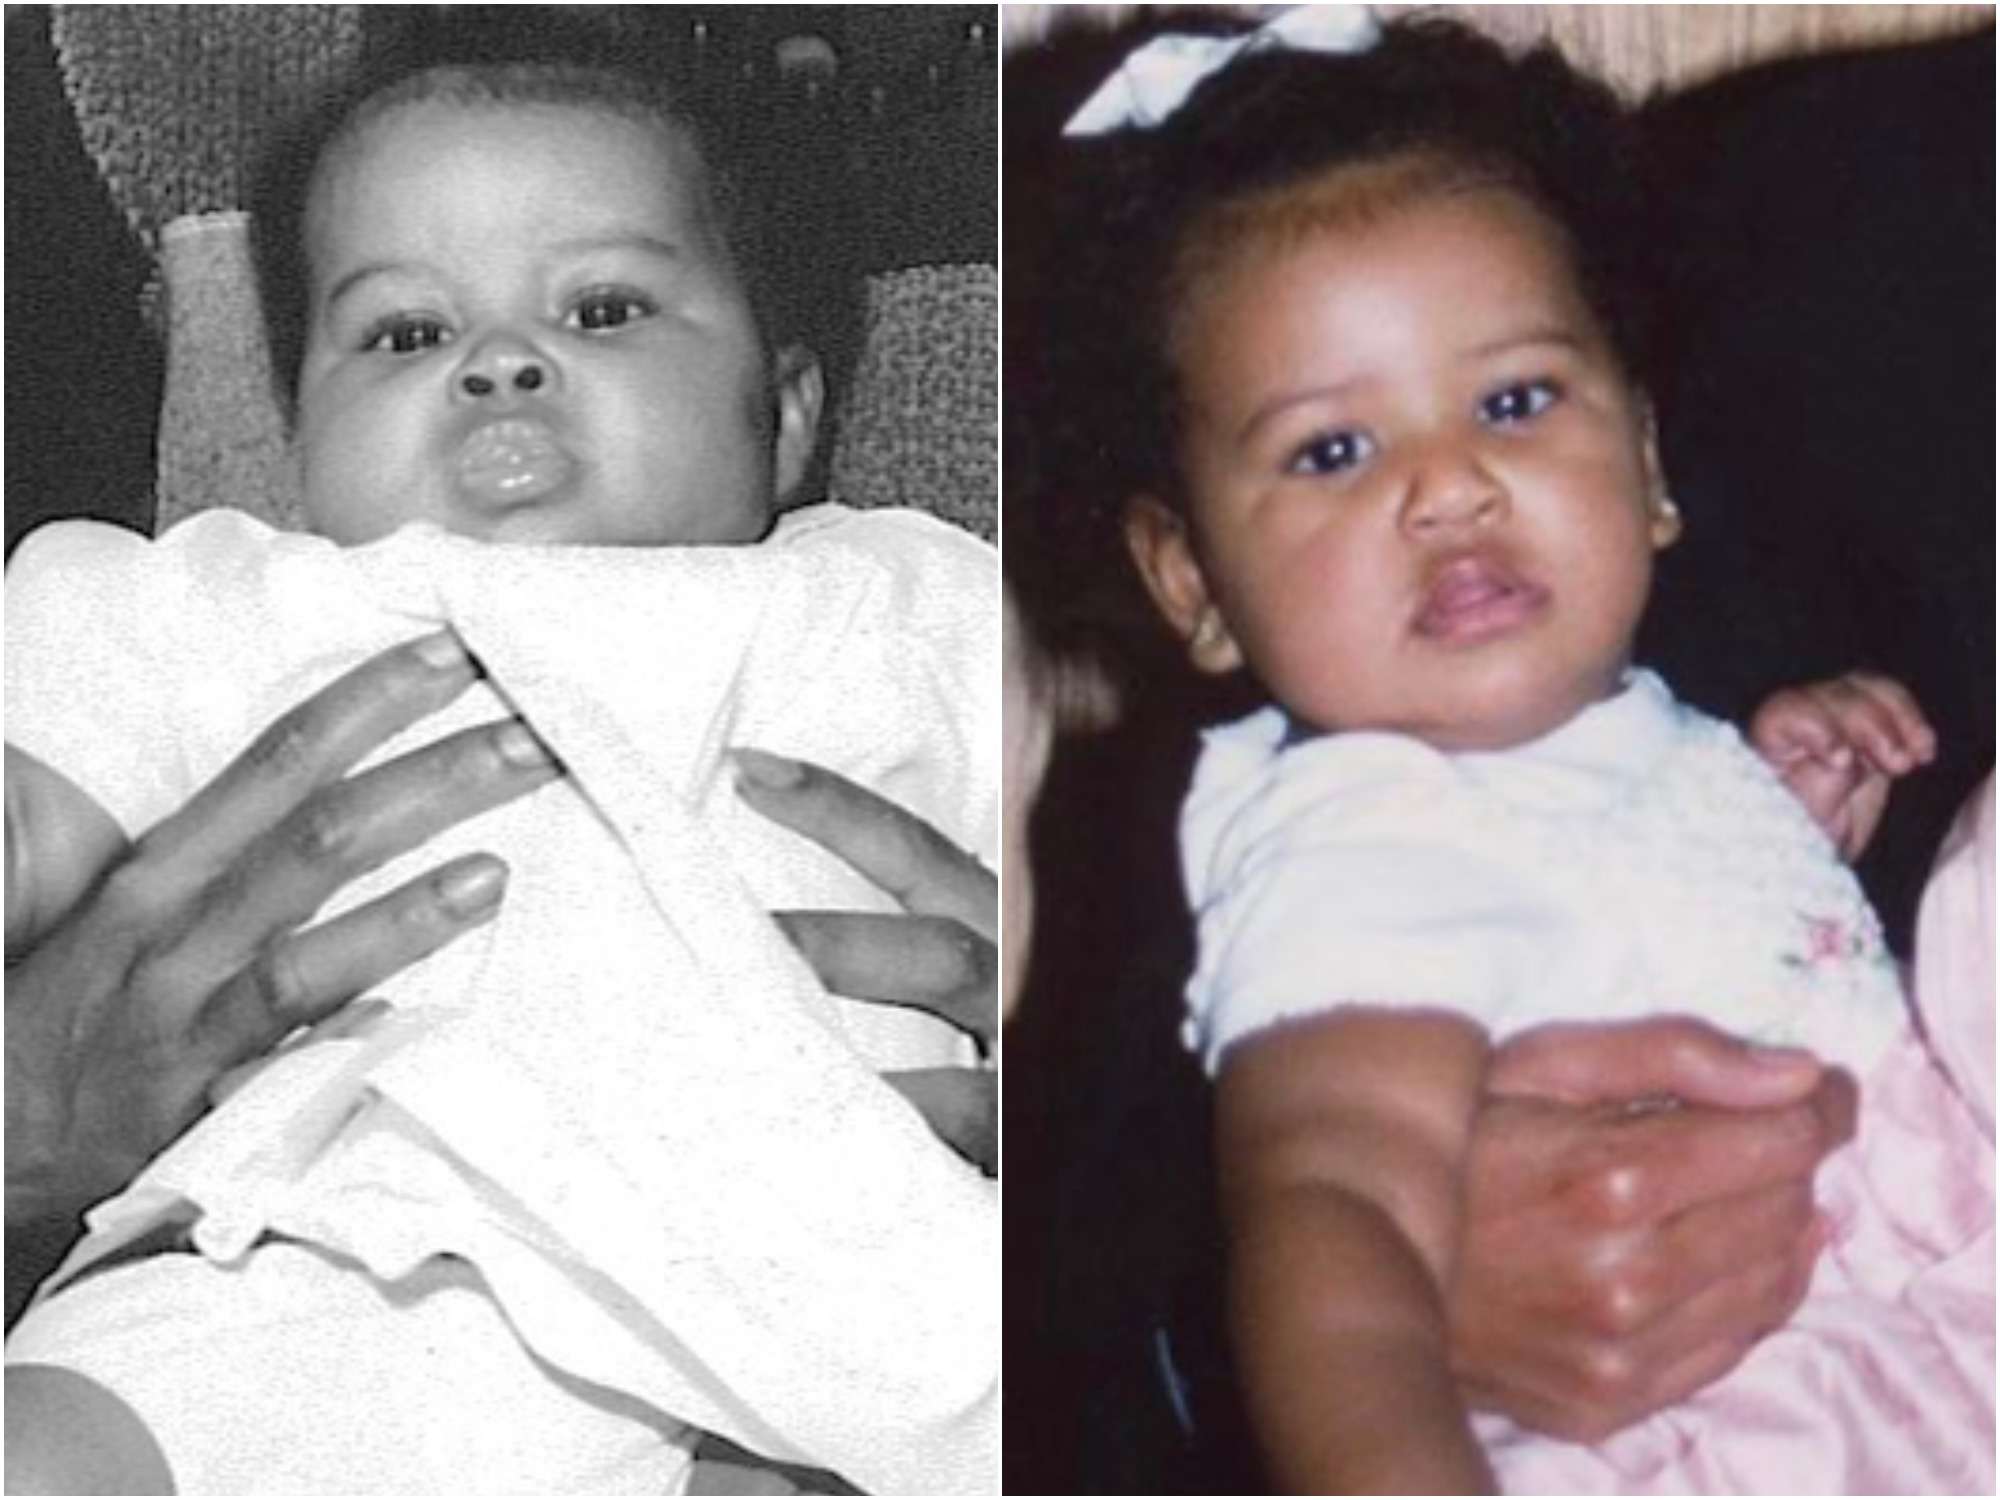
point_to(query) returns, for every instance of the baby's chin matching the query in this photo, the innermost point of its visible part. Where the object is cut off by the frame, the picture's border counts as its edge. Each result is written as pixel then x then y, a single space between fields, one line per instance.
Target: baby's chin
pixel 1520 719
pixel 1499 713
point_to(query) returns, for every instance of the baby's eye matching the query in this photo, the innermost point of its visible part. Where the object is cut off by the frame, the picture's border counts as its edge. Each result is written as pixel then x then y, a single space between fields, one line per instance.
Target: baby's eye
pixel 1331 453
pixel 405 334
pixel 1519 403
pixel 595 312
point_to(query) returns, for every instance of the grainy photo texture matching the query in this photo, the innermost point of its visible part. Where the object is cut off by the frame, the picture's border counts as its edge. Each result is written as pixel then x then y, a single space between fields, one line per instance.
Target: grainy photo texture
pixel 503 750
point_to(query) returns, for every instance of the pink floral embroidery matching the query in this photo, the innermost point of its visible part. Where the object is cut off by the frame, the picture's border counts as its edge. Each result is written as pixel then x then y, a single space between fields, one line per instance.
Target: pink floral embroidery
pixel 1828 940
pixel 1825 938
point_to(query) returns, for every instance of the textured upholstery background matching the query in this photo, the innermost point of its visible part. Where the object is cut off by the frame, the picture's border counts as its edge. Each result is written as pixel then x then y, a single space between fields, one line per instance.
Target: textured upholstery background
pixel 1638 47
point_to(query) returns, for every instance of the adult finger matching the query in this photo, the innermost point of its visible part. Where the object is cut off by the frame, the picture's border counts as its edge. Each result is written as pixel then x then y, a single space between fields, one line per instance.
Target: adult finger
pixel 1668 1056
pixel 961 1106
pixel 1609 1382
pixel 306 977
pixel 1663 1164
pixel 342 831
pixel 307 748
pixel 1658 1286
pixel 1734 1312
pixel 893 849
pixel 1579 1355
pixel 931 963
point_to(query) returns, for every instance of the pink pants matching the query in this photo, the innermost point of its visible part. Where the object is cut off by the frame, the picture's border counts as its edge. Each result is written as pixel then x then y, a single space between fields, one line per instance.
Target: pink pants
pixel 1883 1382
pixel 1954 969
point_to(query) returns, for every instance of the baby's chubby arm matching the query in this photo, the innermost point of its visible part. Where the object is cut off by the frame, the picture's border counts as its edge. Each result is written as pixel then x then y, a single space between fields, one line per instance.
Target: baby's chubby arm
pixel 59 840
pixel 1341 1142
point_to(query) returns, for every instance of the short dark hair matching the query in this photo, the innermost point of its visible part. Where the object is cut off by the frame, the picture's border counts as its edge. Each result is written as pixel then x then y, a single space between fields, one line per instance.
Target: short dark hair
pixel 762 179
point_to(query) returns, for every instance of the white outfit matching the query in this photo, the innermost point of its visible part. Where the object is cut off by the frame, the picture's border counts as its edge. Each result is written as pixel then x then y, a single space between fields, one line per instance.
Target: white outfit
pixel 1640 860
pixel 625 1111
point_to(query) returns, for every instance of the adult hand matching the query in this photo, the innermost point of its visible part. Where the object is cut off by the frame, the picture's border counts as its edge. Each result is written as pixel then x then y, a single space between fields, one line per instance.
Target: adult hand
pixel 938 955
pixel 1639 1214
pixel 194 952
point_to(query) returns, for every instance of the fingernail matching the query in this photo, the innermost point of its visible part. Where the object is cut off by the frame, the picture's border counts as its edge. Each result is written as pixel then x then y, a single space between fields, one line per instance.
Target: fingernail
pixel 442 652
pixel 768 770
pixel 467 892
pixel 519 747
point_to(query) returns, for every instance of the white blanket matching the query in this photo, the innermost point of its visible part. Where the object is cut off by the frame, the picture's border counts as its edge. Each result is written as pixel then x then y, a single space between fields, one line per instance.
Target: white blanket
pixel 627 1102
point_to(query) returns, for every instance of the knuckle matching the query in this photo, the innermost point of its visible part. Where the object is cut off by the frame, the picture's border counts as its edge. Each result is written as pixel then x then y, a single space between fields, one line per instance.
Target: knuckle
pixel 972 956
pixel 422 913
pixel 1612 1195
pixel 168 988
pixel 277 980
pixel 1607 1372
pixel 323 833
pixel 1623 1304
pixel 288 749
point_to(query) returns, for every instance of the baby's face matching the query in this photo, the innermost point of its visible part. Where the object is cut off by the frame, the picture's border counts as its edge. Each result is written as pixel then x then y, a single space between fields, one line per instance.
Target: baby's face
pixel 1423 494
pixel 526 326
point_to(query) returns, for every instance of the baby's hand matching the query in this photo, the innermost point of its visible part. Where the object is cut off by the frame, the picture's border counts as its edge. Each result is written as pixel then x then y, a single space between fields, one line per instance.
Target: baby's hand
pixel 1839 744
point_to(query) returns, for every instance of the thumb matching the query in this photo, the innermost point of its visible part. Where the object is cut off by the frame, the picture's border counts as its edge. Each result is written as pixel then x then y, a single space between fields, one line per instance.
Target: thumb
pixel 1678 1056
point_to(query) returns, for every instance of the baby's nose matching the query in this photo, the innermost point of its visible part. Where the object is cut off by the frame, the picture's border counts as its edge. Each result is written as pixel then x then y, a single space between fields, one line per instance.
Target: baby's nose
pixel 503 362
pixel 527 377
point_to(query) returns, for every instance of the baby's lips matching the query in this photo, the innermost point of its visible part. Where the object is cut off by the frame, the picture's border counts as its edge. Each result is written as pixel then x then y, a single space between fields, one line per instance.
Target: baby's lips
pixel 1473 595
pixel 513 460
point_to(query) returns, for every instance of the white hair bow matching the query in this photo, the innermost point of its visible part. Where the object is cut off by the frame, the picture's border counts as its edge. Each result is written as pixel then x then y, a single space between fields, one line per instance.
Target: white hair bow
pixel 1157 78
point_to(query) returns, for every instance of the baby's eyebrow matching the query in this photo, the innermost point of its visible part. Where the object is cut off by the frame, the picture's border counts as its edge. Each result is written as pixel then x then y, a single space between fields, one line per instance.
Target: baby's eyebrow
pixel 1527 338
pixel 644 244
pixel 640 243
pixel 1284 401
pixel 368 271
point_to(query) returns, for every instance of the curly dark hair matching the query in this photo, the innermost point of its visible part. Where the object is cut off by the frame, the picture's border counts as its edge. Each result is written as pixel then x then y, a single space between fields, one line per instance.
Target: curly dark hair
pixel 1095 396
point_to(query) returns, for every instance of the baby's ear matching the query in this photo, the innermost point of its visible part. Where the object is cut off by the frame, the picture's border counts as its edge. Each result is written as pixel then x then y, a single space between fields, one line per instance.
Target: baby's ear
pixel 1164 553
pixel 799 387
pixel 1663 515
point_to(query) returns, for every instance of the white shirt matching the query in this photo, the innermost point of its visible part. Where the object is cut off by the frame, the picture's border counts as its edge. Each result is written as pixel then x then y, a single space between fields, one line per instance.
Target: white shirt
pixel 1638 860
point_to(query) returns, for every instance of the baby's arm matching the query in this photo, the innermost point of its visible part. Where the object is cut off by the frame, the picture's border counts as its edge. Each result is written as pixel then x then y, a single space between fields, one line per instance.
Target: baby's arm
pixel 1341 1143
pixel 1839 745
pixel 59 840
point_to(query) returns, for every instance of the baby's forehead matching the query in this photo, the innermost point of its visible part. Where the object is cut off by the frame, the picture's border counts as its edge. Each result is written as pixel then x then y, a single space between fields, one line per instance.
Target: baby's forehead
pixel 431 161
pixel 379 134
